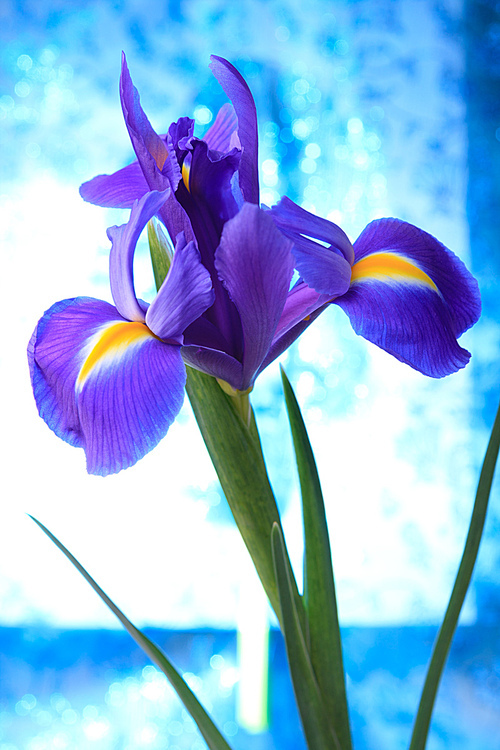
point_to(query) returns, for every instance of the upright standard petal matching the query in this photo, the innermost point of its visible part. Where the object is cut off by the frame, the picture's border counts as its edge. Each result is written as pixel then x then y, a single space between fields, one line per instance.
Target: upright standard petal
pixel 255 263
pixel 222 135
pixel 103 383
pixel 121 260
pixel 411 296
pixel 159 166
pixel 240 95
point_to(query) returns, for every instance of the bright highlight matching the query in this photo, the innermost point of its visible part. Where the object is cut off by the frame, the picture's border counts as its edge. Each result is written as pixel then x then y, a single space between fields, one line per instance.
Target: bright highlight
pixel 185 175
pixel 389 266
pixel 112 342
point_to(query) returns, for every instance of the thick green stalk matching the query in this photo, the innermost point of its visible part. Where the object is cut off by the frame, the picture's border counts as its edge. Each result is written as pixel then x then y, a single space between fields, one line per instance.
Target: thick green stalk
pixel 447 630
pixel 236 454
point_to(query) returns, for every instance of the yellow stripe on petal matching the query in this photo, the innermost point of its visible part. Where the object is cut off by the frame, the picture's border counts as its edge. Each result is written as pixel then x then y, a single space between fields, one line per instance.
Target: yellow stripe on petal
pixel 390 267
pixel 185 175
pixel 110 343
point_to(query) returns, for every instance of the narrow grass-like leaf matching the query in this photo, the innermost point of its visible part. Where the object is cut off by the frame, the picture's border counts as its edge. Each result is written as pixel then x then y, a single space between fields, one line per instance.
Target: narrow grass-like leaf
pixel 318 732
pixel 237 457
pixel 462 581
pixel 209 731
pixel 325 645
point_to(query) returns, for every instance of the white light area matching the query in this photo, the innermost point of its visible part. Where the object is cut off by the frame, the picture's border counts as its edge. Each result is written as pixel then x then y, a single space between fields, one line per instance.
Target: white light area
pixel 308 165
pixel 203 115
pixel 269 166
pixel 95 729
pixel 270 180
pixel 269 197
pixel 354 126
pixel 336 216
pixel 253 655
pixel 397 525
pixel 313 151
pixel 140 533
pixel 301 129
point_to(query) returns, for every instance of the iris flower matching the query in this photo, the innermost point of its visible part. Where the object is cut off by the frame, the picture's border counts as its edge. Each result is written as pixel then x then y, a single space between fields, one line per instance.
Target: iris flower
pixel 111 378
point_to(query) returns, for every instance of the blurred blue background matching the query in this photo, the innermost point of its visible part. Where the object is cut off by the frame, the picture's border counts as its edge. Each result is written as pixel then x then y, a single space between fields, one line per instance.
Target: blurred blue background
pixel 366 109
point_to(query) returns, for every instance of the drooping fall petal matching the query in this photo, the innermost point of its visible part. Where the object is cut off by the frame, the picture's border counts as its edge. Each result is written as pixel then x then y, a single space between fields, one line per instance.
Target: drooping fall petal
pixel 103 383
pixel 411 296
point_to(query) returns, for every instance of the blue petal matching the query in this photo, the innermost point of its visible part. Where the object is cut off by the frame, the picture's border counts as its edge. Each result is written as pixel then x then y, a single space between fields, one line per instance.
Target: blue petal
pixel 124 240
pixel 256 265
pixel 237 90
pixel 103 383
pixel 411 296
pixel 118 190
pixel 159 166
pixel 222 135
pixel 327 269
pixel 184 295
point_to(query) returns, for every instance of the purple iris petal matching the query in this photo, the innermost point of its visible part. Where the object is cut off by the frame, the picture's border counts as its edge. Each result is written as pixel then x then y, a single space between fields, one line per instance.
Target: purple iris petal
pixel 184 295
pixel 222 135
pixel 118 190
pixel 255 263
pixel 179 136
pixel 124 239
pixel 456 284
pixel 325 269
pixel 159 166
pixel 209 202
pixel 301 303
pixel 411 296
pixel 214 362
pixel 121 406
pixel 240 95
pixel 210 176
pixel 299 225
pixel 410 323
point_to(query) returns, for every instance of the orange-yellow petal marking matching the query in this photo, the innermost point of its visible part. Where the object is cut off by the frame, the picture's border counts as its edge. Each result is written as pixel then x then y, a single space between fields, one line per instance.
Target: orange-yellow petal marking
pixel 185 175
pixel 110 343
pixel 389 266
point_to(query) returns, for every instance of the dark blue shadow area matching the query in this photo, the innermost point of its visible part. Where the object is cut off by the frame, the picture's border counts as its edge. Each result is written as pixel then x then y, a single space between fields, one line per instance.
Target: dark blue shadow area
pixel 95 688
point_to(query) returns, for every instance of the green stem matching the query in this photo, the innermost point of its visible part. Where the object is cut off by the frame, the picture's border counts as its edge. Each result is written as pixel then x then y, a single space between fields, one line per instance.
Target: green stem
pixel 447 630
pixel 234 446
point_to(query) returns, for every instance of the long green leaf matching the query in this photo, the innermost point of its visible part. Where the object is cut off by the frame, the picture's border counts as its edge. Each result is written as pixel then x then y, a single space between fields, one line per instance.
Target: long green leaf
pixel 325 645
pixel 462 581
pixel 209 731
pixel 317 729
